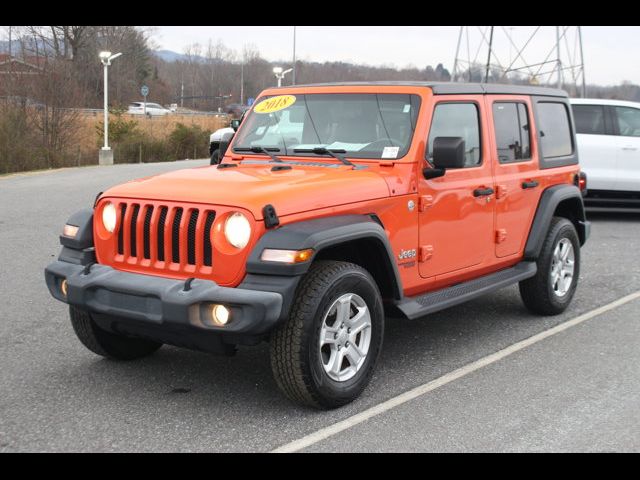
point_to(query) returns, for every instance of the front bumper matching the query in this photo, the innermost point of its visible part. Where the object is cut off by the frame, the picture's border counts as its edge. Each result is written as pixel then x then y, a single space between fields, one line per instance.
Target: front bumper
pixel 162 303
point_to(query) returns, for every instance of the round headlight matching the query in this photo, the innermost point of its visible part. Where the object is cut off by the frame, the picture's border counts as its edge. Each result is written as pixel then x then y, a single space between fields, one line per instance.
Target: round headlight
pixel 109 217
pixel 237 230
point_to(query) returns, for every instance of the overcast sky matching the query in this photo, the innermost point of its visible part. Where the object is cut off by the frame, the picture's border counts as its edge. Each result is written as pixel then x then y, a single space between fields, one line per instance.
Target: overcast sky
pixel 610 53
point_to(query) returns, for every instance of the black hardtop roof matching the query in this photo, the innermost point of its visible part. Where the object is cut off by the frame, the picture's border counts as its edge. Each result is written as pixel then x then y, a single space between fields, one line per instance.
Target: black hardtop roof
pixel 454 88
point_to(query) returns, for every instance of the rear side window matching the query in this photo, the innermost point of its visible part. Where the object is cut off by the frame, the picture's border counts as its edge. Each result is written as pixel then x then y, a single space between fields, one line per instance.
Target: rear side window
pixel 589 119
pixel 628 121
pixel 555 130
pixel 511 124
pixel 457 120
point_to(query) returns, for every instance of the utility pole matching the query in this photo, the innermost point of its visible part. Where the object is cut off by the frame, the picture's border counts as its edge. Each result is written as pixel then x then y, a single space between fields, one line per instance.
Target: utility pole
pixel 486 75
pixel 294 56
pixel 558 61
pixel 242 80
pixel 455 61
pixel 584 82
pixel 182 89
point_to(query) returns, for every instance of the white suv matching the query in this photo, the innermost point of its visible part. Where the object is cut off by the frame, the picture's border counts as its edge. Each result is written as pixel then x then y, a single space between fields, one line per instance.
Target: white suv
pixel 608 135
pixel 138 108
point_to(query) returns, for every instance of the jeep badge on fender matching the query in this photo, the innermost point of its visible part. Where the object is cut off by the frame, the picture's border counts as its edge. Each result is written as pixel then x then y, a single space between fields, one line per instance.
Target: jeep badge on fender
pixel 291 238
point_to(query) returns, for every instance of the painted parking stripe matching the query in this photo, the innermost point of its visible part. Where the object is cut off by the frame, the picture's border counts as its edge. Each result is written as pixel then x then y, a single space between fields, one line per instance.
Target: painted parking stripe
pixel 347 423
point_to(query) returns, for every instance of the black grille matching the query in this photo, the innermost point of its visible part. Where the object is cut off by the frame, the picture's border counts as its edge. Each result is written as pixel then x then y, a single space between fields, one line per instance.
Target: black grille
pixel 123 210
pixel 147 232
pixel 161 222
pixel 134 221
pixel 175 237
pixel 191 237
pixel 208 247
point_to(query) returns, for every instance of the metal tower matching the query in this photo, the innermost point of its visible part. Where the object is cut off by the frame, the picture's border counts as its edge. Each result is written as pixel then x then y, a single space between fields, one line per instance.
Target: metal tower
pixel 542 55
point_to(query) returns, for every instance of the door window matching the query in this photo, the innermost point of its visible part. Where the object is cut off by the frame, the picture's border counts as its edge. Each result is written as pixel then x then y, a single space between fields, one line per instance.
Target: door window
pixel 511 123
pixel 589 119
pixel 457 120
pixel 628 121
pixel 555 132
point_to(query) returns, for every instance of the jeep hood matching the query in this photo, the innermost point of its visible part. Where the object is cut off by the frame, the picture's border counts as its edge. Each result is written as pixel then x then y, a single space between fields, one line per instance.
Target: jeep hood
pixel 252 186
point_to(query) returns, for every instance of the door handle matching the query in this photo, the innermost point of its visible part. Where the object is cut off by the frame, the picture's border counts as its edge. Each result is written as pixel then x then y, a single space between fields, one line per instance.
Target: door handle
pixel 481 192
pixel 630 148
pixel 531 184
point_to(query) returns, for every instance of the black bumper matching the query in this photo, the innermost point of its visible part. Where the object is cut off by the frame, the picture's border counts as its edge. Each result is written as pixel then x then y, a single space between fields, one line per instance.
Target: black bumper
pixel 163 304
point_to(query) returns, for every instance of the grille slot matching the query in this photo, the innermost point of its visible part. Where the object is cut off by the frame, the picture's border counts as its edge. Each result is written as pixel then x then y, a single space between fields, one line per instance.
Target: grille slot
pixel 123 210
pixel 133 234
pixel 147 232
pixel 191 237
pixel 161 223
pixel 208 247
pixel 175 237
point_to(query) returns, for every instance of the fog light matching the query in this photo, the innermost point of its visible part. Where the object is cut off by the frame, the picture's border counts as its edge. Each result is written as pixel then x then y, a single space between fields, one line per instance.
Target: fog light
pixel 63 286
pixel 220 315
pixel 70 231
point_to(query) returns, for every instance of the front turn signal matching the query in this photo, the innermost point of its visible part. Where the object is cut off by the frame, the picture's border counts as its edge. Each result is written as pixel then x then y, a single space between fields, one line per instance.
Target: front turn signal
pixel 286 256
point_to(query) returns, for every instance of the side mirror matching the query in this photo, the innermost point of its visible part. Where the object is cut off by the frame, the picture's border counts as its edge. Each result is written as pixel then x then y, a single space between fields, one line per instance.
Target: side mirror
pixel 235 124
pixel 448 152
pixel 224 143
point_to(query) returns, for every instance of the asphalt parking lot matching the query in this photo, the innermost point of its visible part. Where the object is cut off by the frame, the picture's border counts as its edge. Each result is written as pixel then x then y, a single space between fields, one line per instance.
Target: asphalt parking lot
pixel 577 390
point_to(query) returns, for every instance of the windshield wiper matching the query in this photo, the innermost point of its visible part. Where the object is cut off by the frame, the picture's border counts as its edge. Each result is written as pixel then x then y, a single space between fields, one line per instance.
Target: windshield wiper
pixel 334 152
pixel 260 149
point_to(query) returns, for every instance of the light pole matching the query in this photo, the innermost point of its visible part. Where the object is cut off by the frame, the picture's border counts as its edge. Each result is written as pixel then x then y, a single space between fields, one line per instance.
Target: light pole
pixel 279 73
pixel 106 155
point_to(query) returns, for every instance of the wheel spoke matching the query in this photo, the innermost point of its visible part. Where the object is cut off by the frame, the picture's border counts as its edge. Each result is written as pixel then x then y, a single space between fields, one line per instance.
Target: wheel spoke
pixel 360 319
pixel 343 309
pixel 566 251
pixel 335 361
pixel 353 354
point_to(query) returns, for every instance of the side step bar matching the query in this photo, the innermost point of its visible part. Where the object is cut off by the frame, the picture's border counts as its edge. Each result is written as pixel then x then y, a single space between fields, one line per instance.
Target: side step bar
pixel 420 305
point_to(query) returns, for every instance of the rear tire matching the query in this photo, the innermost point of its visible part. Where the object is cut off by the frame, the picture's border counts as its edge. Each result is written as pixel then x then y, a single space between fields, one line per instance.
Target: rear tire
pixel 338 301
pixel 215 157
pixel 107 344
pixel 550 291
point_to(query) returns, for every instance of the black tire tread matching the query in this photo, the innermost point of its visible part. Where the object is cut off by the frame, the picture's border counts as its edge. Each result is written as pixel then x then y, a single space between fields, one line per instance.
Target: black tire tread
pixel 106 344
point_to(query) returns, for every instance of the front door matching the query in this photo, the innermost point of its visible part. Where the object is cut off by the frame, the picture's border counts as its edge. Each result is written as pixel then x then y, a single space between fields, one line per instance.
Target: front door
pixel 628 149
pixel 516 171
pixel 456 210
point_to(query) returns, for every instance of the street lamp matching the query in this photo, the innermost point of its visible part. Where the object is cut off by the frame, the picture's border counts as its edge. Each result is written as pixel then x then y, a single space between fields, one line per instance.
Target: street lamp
pixel 106 155
pixel 279 73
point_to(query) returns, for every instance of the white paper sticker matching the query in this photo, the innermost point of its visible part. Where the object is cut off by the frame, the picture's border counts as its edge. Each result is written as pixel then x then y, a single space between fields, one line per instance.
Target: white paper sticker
pixel 390 152
pixel 406 108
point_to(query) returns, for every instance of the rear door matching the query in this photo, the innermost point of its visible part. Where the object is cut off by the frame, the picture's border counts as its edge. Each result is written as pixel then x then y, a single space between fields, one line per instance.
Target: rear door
pixel 515 162
pixel 598 148
pixel 627 122
pixel 456 210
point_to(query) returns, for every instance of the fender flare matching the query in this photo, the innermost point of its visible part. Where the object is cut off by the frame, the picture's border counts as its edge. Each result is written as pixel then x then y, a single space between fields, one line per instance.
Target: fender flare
pixel 319 234
pixel 551 198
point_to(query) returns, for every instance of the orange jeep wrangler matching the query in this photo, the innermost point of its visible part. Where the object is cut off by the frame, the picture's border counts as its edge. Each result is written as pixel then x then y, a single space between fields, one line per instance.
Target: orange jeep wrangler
pixel 334 207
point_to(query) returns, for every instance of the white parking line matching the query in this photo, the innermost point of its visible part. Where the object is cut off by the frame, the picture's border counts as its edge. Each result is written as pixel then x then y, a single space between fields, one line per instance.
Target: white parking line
pixel 327 432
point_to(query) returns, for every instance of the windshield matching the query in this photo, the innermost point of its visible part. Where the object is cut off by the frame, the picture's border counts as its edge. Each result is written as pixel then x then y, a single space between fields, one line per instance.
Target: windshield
pixel 374 126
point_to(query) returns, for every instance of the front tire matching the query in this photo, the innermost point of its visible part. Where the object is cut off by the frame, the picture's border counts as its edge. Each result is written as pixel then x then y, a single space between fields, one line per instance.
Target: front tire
pixel 325 353
pixel 550 291
pixel 107 344
pixel 215 157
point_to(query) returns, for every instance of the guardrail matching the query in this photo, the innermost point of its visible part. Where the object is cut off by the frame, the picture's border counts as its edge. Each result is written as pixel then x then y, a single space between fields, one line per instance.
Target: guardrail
pixel 100 111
